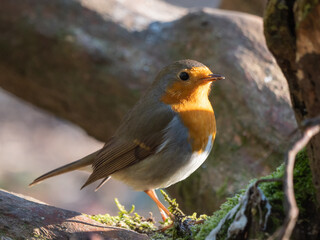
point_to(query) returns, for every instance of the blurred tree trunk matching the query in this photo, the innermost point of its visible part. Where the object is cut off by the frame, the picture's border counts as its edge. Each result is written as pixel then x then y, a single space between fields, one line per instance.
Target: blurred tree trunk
pixel 255 7
pixel 292 30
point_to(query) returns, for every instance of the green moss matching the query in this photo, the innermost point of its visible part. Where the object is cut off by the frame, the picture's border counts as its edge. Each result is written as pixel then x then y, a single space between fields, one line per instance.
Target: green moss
pixel 202 231
pixel 126 219
pixel 133 221
pixel 304 192
pixel 183 224
pixel 303 186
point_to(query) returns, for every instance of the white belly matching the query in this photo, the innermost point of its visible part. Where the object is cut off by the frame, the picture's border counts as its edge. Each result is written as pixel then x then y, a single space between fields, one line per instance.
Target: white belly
pixel 196 160
pixel 159 171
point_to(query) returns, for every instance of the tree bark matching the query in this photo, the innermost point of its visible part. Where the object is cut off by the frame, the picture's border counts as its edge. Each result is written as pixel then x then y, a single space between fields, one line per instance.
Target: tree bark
pixel 23 217
pixel 292 32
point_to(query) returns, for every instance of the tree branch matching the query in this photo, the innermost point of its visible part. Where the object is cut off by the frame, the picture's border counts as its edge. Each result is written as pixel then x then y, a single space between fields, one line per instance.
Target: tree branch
pixel 311 128
pixel 23 217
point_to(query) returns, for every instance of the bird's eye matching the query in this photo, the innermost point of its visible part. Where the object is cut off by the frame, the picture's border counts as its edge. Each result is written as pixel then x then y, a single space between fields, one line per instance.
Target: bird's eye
pixel 184 76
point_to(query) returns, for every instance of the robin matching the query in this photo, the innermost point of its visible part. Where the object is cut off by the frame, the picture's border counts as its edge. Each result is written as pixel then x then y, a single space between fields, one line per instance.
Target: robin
pixel 166 136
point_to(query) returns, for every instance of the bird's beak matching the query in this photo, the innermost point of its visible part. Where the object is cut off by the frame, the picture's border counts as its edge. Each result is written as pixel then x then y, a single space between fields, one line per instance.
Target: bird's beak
pixel 213 77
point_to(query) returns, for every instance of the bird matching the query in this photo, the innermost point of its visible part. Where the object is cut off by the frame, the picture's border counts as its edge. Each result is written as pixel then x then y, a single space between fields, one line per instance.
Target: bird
pixel 164 138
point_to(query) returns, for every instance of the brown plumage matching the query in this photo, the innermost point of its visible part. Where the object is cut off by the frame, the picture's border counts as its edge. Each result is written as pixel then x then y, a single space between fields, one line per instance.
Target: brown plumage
pixel 163 139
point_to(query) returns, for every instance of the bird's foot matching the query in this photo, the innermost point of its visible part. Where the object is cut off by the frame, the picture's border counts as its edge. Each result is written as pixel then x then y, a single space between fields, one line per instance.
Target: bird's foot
pixel 163 229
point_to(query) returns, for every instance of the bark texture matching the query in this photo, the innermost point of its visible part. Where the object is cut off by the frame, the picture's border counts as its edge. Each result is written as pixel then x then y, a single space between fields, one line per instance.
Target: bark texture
pixel 255 7
pixel 89 64
pixel 292 32
pixel 23 217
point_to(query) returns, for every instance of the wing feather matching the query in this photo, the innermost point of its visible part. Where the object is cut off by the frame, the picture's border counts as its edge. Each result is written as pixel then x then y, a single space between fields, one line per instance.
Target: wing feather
pixel 119 153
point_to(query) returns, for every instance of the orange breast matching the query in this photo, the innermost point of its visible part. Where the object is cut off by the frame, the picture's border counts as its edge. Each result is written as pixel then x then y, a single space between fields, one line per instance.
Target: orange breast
pixel 197 115
pixel 201 124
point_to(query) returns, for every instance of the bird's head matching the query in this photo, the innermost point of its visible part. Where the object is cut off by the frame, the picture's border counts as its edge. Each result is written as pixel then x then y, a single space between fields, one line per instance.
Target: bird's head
pixel 185 79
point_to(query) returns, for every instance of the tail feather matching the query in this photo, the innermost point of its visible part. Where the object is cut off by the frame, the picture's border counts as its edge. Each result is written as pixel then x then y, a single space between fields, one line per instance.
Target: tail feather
pixel 83 162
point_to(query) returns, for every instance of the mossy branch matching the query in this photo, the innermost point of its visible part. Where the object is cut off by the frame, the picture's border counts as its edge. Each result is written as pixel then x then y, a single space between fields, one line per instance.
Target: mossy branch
pixel 127 219
pixel 311 128
pixel 285 174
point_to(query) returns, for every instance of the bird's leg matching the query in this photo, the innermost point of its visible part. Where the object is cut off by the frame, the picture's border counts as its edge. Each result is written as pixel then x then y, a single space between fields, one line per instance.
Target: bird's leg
pixel 163 210
pixel 163 214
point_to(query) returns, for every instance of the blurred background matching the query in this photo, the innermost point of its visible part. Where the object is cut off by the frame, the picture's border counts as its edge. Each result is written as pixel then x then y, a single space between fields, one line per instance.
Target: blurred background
pixel 33 140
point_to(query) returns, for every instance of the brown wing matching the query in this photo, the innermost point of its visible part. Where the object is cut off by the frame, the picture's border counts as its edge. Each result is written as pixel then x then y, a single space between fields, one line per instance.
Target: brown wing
pixel 116 155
